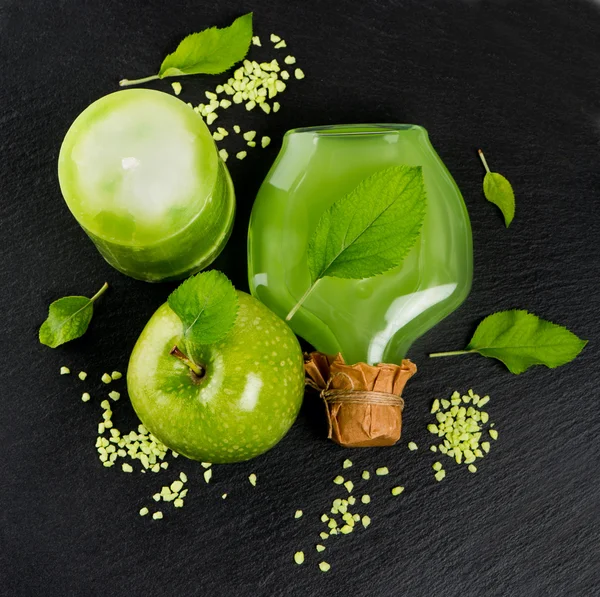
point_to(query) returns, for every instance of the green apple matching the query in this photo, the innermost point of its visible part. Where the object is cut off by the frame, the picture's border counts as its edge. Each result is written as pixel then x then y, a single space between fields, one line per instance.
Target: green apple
pixel 244 403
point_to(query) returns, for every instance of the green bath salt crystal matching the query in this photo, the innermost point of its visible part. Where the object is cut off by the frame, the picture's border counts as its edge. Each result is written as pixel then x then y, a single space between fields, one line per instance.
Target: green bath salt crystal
pixel 460 426
pixel 176 486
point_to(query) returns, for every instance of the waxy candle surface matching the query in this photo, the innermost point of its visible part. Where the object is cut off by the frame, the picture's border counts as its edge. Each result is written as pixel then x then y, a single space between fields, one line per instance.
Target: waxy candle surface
pixel 140 172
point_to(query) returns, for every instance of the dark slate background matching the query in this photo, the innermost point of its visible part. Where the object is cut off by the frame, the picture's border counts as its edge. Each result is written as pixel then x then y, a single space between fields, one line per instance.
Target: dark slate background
pixel 521 80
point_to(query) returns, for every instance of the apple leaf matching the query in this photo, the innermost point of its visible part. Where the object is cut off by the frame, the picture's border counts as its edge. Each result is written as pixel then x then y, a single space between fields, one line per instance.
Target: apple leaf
pixel 370 230
pixel 498 190
pixel 207 305
pixel 68 318
pixel 211 51
pixel 520 340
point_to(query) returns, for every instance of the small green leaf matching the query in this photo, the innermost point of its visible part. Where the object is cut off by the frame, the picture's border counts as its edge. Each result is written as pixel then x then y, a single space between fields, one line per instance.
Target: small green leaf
pixel 210 52
pixel 370 230
pixel 498 190
pixel 520 340
pixel 207 305
pixel 68 318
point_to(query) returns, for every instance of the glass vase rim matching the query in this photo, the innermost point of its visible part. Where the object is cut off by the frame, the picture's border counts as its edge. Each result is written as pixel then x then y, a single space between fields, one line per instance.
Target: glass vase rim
pixel 373 128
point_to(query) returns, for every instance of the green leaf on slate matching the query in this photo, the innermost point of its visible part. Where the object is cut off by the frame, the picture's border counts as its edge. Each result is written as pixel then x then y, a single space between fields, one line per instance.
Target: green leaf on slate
pixel 370 230
pixel 207 305
pixel 68 318
pixel 211 51
pixel 498 190
pixel 520 340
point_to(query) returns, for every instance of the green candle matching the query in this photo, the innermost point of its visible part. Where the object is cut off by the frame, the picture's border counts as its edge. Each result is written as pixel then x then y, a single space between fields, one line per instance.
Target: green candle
pixel 374 319
pixel 140 172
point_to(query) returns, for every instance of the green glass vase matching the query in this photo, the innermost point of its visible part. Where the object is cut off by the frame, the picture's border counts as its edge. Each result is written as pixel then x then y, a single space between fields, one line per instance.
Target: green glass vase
pixel 372 320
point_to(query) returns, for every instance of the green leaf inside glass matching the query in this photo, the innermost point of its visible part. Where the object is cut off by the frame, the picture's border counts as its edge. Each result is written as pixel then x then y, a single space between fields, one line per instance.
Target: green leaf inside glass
pixel 370 230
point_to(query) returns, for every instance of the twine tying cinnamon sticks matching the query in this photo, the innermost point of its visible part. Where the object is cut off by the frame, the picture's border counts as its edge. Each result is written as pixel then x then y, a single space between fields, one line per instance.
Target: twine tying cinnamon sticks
pixel 362 397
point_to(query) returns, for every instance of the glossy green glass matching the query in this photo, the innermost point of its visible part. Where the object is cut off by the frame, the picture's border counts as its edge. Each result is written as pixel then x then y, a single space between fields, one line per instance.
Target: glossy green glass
pixel 140 172
pixel 376 319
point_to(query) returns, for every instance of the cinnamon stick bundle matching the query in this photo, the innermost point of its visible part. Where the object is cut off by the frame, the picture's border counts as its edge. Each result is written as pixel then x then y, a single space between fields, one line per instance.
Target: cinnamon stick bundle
pixel 363 402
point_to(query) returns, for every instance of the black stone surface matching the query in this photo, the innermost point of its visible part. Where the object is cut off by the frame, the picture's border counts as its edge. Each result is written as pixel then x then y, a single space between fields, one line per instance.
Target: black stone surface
pixel 519 79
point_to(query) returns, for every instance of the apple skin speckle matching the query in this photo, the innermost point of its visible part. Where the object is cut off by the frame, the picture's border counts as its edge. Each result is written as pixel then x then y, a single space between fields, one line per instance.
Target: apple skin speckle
pixel 248 399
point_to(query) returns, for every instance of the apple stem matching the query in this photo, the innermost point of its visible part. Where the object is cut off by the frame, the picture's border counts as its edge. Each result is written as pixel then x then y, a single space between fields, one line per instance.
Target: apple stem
pixel 198 370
